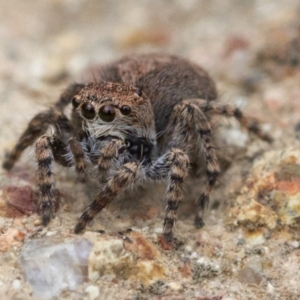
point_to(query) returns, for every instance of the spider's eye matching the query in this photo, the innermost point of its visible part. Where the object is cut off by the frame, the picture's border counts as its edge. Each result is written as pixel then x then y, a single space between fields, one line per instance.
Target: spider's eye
pixel 125 110
pixel 139 92
pixel 88 110
pixel 75 102
pixel 107 113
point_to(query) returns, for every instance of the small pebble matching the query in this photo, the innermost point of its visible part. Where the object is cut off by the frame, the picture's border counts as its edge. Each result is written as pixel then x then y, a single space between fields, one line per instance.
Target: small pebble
pixel 145 229
pixel 255 263
pixel 174 286
pixel 249 276
pixel 188 249
pixel 154 236
pixel 37 222
pixel 202 260
pixel 240 241
pixel 16 284
pixel 158 230
pixel 270 288
pixel 294 244
pixel 51 233
pixel 92 292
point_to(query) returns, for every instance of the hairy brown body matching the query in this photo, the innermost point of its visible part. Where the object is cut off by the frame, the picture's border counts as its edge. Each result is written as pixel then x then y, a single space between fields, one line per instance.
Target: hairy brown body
pixel 165 79
pixel 140 118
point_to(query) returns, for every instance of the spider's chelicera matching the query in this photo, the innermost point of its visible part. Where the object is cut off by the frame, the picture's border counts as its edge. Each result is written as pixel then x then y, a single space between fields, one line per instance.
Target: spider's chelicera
pixel 143 118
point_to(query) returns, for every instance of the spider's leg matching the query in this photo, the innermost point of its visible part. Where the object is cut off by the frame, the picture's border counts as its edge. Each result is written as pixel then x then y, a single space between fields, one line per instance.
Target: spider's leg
pixel 45 148
pixel 174 166
pixel 190 124
pixel 40 123
pixel 36 127
pixel 127 175
pixel 229 110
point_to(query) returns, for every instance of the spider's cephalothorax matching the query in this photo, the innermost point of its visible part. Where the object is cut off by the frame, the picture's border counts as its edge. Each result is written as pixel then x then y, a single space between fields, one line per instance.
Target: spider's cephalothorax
pixel 108 111
pixel 143 118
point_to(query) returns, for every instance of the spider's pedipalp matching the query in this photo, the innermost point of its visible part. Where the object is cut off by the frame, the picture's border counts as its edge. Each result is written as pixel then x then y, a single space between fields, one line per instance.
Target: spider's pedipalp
pixel 108 152
pixel 110 158
pixel 80 159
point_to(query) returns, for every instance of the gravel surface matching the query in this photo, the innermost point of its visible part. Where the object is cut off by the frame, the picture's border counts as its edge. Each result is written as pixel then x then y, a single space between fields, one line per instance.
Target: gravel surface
pixel 250 246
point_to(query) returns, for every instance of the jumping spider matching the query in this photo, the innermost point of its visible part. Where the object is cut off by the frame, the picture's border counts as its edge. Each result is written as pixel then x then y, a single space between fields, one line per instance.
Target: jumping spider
pixel 143 118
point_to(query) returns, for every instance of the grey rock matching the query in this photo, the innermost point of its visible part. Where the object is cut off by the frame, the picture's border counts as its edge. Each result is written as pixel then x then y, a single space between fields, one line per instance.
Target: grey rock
pixel 51 266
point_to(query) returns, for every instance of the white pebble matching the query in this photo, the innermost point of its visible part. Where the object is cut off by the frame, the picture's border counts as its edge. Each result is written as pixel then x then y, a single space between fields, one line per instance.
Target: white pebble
pixel 154 236
pixel 201 261
pixel 188 249
pixel 16 284
pixel 174 286
pixel 93 292
pixel 145 229
pixel 51 233
pixel 270 288
pixel 158 230
pixel 294 244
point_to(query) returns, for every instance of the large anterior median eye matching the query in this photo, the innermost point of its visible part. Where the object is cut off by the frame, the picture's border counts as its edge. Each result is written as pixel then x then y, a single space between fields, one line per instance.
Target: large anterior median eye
pixel 88 110
pixel 107 113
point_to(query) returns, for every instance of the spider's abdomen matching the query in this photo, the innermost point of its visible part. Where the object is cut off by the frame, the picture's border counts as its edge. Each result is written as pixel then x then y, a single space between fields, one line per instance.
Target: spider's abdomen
pixel 169 84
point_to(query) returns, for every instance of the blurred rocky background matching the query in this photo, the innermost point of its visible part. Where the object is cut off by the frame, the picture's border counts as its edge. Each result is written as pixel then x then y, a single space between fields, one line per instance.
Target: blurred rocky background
pixel 250 246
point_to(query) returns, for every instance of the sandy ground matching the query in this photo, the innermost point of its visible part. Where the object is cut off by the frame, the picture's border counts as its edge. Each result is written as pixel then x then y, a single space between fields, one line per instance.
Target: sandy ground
pixel 249 248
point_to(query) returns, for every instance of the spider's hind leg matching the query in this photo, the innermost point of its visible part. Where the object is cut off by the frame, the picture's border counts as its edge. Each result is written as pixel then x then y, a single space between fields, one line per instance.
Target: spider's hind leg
pixel 229 110
pixel 40 123
pixel 192 130
pixel 36 127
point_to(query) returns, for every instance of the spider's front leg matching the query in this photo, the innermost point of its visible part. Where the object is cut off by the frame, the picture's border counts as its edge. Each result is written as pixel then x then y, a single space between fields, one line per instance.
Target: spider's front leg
pixel 127 175
pixel 174 166
pixel 48 148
